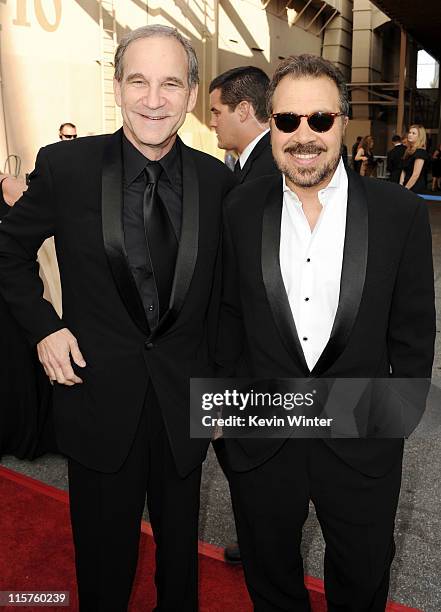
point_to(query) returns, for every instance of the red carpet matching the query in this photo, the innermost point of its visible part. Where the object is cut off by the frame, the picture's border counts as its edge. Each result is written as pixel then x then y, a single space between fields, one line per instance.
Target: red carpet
pixel 36 554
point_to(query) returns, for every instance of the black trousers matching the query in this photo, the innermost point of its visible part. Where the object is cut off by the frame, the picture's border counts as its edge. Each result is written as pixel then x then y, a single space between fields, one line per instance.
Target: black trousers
pixel 356 514
pixel 106 511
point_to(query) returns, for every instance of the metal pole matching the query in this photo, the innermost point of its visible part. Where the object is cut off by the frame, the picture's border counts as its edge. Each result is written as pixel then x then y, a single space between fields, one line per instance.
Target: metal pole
pixel 315 16
pixel 401 82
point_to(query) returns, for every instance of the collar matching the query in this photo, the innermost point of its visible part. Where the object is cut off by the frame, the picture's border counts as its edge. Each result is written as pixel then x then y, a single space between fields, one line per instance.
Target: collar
pixel 339 181
pixel 243 157
pixel 135 162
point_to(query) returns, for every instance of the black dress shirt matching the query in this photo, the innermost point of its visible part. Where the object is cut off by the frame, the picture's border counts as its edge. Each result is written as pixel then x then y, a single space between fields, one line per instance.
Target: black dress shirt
pixel 170 192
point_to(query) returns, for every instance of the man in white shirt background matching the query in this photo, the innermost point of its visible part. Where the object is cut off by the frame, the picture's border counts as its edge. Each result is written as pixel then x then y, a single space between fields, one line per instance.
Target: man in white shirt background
pixel 239 116
pixel 326 275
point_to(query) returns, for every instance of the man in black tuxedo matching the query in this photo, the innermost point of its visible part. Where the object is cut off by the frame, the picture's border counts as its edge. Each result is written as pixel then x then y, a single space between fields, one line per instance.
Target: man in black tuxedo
pixel 136 218
pixel 326 275
pixel 238 114
pixel 394 159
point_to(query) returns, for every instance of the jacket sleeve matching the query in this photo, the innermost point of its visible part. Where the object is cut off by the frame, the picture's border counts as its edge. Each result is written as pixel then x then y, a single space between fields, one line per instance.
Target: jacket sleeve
pixel 412 329
pixel 22 232
pixel 231 333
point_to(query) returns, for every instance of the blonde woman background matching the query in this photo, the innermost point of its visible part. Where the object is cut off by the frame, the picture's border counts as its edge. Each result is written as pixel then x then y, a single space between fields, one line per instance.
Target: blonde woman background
pixel 414 159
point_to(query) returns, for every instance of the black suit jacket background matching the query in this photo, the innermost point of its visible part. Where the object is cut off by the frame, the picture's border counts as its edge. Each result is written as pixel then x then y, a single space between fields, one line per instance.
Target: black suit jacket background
pixel 394 162
pixel 75 193
pixel 385 318
pixel 260 162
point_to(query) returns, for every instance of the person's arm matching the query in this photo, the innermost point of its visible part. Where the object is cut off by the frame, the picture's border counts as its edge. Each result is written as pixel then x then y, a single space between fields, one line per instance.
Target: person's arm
pixel 12 187
pixel 22 232
pixel 231 332
pixel 216 293
pixel 417 169
pixel 411 330
pixel 360 155
pixel 411 334
pixel 402 176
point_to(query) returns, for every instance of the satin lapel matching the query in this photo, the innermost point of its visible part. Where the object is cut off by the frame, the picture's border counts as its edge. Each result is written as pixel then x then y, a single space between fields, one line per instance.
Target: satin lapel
pixel 353 273
pixel 188 243
pixel 262 144
pixel 272 275
pixel 113 233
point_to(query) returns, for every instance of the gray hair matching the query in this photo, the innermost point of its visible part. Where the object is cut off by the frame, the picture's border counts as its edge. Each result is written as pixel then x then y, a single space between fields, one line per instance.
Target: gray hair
pixel 307 65
pixel 158 31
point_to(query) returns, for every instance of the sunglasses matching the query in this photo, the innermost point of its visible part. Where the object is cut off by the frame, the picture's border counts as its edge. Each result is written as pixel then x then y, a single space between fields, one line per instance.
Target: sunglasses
pixel 69 135
pixel 318 122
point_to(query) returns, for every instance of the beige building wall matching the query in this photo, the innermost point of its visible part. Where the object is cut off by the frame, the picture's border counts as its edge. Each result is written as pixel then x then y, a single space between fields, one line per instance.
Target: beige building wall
pixel 366 53
pixel 337 41
pixel 47 77
pixel 367 68
pixel 249 34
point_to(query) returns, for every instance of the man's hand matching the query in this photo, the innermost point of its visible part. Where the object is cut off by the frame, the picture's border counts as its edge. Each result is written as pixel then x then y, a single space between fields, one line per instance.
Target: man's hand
pixel 55 352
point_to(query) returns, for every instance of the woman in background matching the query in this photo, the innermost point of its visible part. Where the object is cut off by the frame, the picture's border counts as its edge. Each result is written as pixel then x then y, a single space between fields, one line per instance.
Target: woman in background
pixel 436 168
pixel 412 174
pixel 364 162
pixel 25 392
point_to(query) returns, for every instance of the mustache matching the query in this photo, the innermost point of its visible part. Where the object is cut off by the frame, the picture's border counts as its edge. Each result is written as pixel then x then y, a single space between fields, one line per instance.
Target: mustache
pixel 303 149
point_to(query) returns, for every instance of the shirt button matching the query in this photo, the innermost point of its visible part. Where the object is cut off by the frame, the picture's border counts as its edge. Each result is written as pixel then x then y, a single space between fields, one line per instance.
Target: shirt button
pixel 148 345
pixel 308 260
pixel 151 307
pixel 306 299
pixel 305 339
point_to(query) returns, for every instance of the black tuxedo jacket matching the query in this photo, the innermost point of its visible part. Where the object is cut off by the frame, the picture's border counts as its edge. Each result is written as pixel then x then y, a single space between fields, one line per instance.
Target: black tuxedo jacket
pixel 76 194
pixel 260 162
pixel 385 319
pixel 394 162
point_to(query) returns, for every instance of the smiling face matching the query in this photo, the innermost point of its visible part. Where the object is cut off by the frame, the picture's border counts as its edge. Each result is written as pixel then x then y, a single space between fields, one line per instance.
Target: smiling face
pixel 154 94
pixel 307 158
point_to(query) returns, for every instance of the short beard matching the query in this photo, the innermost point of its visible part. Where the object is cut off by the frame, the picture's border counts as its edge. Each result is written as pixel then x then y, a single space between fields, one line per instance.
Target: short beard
pixel 307 177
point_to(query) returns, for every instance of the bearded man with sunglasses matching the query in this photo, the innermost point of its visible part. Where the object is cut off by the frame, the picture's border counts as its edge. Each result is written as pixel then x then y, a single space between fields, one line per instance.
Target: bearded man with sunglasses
pixel 326 275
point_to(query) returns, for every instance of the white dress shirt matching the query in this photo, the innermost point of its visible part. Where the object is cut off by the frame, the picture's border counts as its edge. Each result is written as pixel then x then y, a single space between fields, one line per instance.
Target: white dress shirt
pixel 243 157
pixel 311 262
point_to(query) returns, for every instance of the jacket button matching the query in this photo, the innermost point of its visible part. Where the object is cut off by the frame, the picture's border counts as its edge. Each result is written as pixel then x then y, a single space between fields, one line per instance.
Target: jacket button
pixel 148 345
